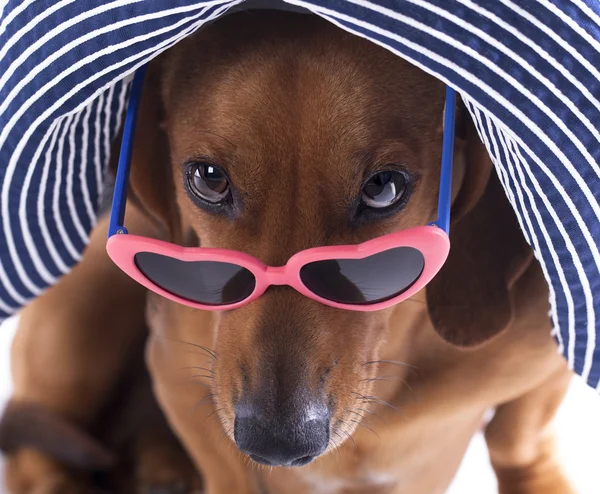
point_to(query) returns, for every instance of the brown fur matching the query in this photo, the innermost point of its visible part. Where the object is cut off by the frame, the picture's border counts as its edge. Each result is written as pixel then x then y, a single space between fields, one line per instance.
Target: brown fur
pixel 299 113
pixel 79 375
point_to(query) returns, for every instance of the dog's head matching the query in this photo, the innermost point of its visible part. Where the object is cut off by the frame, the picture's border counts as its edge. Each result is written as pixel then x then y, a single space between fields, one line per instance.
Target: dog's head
pixel 273 133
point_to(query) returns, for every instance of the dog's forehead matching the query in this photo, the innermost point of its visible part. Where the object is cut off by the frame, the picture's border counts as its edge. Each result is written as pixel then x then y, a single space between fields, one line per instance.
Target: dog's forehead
pixel 309 85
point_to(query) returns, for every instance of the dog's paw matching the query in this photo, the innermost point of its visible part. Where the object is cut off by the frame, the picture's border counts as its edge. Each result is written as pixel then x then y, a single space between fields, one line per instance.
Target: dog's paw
pixel 28 471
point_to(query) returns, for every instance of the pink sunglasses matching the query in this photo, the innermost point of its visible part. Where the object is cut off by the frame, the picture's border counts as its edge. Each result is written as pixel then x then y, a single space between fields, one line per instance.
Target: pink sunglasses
pixel 365 277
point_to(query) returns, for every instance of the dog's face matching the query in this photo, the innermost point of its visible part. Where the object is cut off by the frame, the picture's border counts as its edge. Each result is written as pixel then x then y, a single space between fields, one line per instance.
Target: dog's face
pixel 283 134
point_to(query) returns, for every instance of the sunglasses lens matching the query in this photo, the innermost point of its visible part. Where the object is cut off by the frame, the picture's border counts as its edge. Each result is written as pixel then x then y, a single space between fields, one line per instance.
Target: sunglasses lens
pixel 203 282
pixel 370 280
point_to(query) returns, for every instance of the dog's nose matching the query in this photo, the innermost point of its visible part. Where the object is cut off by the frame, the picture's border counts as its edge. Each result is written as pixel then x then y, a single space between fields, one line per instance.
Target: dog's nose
pixel 292 441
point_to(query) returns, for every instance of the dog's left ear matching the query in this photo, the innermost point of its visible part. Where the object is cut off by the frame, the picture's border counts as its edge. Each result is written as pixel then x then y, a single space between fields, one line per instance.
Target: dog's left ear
pixel 469 300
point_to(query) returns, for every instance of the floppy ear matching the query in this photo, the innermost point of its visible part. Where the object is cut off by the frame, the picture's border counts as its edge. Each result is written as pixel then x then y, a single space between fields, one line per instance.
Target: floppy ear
pixel 469 300
pixel 151 186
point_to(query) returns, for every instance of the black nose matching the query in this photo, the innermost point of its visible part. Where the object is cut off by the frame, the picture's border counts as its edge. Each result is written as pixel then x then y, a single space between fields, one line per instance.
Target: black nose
pixel 275 439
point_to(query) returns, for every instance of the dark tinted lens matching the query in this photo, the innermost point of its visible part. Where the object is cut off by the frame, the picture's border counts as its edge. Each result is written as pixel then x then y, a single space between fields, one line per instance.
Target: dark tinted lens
pixel 374 279
pixel 205 282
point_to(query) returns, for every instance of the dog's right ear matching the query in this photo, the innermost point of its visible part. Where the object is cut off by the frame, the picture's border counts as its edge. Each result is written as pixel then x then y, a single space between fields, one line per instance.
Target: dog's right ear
pixel 151 186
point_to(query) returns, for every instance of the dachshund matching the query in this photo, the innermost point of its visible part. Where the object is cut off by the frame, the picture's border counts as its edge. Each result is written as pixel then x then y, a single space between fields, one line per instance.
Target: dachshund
pixel 270 133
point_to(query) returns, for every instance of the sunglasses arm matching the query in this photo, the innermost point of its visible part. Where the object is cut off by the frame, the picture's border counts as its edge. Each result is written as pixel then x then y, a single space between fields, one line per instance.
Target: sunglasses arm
pixel 117 215
pixel 445 192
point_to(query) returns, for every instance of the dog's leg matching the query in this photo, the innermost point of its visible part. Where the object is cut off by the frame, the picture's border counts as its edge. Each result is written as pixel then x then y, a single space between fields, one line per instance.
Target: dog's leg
pixel 153 459
pixel 521 441
pixel 68 352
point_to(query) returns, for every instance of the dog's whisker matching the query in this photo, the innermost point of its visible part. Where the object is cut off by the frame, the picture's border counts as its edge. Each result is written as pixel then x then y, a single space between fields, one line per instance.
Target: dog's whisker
pixel 337 448
pixel 362 418
pixel 370 412
pixel 346 434
pixel 223 434
pixel 215 416
pixel 201 402
pixel 194 376
pixel 193 381
pixel 196 368
pixel 389 378
pixel 391 362
pixel 215 411
pixel 365 426
pixel 209 351
pixel 378 400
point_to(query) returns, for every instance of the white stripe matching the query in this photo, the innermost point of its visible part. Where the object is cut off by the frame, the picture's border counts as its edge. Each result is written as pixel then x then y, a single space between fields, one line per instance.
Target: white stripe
pixel 572 336
pixel 14 13
pixel 505 166
pixel 29 242
pixel 520 186
pixel 7 309
pixel 107 135
pixel 30 25
pixel 41 209
pixel 9 287
pixel 14 65
pixel 97 154
pixel 3 4
pixel 118 119
pixel 552 35
pixel 83 167
pixel 515 57
pixel 31 129
pixel 153 52
pixel 572 24
pixel 85 61
pixel 503 175
pixel 120 108
pixel 32 248
pixel 80 40
pixel 522 89
pixel 75 255
pixel 587 11
pixel 107 116
pixel 538 49
pixel 74 213
pixel 585 282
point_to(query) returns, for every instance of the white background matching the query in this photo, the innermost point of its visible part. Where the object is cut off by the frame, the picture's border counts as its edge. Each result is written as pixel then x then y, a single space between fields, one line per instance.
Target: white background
pixel 577 424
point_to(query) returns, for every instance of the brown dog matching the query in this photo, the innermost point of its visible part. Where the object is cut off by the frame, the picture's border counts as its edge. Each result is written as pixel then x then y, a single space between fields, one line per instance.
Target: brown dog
pixel 298 116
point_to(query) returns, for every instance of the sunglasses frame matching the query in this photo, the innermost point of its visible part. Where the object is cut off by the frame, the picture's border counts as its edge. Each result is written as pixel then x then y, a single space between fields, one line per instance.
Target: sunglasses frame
pixel 432 240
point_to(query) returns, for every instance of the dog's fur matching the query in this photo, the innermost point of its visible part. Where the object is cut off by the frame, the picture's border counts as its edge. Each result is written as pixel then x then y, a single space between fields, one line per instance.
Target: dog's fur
pixel 298 113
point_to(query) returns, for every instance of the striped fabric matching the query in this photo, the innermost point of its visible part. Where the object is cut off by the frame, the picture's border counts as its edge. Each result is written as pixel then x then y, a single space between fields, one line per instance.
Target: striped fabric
pixel 528 71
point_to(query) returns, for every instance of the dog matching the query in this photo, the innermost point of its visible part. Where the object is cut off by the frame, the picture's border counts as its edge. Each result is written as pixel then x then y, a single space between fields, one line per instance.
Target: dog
pixel 298 116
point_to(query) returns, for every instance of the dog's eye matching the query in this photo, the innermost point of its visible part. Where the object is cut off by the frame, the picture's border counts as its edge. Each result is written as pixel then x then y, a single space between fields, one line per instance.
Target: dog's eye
pixel 384 189
pixel 208 182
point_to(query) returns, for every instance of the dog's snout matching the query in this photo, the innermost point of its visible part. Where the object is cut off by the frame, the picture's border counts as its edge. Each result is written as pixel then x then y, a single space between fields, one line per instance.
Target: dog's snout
pixel 274 439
